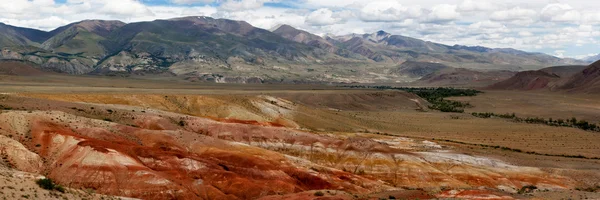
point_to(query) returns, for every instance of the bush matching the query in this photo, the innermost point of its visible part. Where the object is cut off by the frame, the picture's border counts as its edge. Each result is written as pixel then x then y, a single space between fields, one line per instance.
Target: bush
pixel 527 189
pixel 48 184
pixel 319 194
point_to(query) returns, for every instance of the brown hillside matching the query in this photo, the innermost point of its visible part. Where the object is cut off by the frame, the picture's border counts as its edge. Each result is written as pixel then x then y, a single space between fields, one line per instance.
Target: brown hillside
pixel 564 71
pixel 527 80
pixel 587 80
pixel 464 77
pixel 18 68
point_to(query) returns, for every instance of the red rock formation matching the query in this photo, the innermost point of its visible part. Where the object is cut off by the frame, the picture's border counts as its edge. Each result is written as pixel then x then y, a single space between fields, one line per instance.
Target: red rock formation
pixel 208 159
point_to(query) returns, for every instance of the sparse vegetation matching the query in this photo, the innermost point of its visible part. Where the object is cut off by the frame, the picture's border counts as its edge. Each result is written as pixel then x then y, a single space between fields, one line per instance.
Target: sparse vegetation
pixel 589 189
pixel 436 96
pixel 521 151
pixel 3 107
pixel 573 122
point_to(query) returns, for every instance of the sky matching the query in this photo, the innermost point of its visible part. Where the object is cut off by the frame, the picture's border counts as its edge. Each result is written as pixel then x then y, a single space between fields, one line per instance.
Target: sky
pixel 564 28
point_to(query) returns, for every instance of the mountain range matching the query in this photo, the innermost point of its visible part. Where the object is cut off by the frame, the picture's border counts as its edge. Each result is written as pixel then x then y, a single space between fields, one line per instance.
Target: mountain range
pixel 222 50
pixel 592 59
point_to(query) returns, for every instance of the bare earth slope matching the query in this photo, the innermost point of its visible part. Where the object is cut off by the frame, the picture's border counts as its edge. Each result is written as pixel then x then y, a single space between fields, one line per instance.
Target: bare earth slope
pixel 527 80
pixel 459 77
pixel 587 81
pixel 564 71
pixel 574 78
pixel 19 68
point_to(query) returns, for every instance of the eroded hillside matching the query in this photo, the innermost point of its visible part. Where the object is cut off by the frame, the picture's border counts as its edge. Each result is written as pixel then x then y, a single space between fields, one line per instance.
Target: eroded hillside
pixel 280 145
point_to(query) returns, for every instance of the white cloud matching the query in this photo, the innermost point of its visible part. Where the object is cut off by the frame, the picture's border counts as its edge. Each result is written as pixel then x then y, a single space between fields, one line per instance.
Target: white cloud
pixel 513 14
pixel 239 5
pixel 443 13
pixel 560 13
pixel 525 33
pixel 560 53
pixel 388 11
pixel 324 16
pixel 128 8
pixel 591 17
pixel 471 5
pixel 486 25
pixel 191 1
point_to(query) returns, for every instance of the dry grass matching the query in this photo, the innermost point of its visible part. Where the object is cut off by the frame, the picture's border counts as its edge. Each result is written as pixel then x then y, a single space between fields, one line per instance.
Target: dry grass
pixel 537 104
pixel 526 137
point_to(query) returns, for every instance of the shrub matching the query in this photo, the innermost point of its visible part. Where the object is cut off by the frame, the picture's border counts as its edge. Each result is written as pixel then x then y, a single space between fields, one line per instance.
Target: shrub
pixel 48 184
pixel 319 194
pixel 527 189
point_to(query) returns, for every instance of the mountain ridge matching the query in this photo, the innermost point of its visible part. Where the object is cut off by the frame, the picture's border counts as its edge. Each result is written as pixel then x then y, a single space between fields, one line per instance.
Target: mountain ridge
pixel 199 46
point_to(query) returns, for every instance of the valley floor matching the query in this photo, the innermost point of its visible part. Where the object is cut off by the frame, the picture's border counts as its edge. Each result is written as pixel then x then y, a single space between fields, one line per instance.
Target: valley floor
pixel 166 140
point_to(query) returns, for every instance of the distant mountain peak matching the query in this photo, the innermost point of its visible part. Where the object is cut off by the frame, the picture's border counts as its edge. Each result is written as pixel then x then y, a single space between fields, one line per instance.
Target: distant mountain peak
pixel 191 18
pixel 284 28
pixel 301 36
pixel 381 32
pixel 379 35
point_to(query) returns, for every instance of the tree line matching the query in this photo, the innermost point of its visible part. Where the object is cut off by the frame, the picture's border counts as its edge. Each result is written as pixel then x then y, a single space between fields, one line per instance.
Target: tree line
pixel 435 96
pixel 572 122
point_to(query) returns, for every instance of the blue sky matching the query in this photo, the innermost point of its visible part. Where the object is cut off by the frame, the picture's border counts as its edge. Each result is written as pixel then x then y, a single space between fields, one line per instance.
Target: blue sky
pixel 557 27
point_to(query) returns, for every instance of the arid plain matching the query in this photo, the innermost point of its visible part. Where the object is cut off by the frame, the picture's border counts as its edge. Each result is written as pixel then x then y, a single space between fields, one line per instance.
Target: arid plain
pixel 156 139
